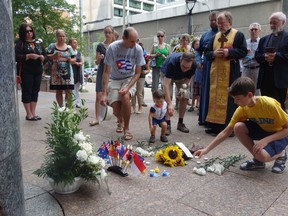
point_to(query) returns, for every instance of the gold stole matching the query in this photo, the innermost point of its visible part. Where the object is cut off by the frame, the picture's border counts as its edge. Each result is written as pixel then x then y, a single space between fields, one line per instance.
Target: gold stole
pixel 219 81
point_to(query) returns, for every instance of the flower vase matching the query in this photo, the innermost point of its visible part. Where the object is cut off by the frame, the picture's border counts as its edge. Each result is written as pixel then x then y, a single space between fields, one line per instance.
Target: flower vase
pixel 62 188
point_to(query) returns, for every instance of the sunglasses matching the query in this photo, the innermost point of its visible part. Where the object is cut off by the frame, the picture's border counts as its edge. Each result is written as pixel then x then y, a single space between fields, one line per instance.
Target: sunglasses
pixel 27 31
pixel 160 36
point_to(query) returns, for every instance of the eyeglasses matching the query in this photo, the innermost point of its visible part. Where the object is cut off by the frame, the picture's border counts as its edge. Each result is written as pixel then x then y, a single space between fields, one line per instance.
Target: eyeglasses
pixel 27 31
pixel 160 36
pixel 253 29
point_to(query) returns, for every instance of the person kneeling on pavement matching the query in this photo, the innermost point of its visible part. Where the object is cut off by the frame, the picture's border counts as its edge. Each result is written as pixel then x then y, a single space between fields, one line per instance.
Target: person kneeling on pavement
pixel 178 68
pixel 259 123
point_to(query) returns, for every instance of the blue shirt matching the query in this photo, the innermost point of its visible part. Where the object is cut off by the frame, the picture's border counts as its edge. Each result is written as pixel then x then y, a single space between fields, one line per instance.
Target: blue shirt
pixel 171 67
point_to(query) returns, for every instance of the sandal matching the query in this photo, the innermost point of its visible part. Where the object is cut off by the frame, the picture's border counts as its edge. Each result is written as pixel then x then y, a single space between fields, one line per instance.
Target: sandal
pixel 119 128
pixel 279 164
pixel 93 123
pixel 252 165
pixel 128 135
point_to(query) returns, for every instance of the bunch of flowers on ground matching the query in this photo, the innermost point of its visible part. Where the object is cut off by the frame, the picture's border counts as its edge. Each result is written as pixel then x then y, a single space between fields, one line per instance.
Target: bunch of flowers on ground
pixel 171 156
pixel 70 153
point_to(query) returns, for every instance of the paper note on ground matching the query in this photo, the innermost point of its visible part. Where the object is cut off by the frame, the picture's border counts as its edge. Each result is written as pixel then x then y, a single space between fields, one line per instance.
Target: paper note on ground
pixel 184 149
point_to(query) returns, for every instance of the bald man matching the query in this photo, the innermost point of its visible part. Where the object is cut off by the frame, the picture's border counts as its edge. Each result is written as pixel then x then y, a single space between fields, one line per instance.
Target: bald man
pixel 122 69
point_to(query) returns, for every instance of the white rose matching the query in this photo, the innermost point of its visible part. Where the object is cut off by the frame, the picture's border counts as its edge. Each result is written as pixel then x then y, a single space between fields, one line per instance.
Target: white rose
pixel 93 159
pixel 82 155
pixel 79 136
pixel 63 109
pixel 184 86
pixel 86 146
pixel 102 162
pixel 103 173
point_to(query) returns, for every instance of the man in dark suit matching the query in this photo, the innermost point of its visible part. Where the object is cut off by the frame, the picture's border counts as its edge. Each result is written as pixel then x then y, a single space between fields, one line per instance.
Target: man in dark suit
pixel 272 54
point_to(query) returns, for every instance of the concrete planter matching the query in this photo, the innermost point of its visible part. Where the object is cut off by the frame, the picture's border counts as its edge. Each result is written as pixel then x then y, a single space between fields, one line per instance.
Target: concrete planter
pixel 61 188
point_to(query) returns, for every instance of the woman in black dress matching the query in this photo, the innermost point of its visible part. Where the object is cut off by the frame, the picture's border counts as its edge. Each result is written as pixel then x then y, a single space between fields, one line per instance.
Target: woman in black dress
pixel 30 55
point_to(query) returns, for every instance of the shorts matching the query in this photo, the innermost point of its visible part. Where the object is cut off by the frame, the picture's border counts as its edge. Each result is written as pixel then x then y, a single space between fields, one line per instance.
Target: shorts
pixel 99 77
pixel 178 84
pixel 115 85
pixel 196 89
pixel 257 133
pixel 158 121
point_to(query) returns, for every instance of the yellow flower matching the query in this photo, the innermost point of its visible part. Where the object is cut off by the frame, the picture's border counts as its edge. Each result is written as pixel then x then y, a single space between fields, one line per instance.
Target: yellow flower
pixel 181 162
pixel 158 155
pixel 172 155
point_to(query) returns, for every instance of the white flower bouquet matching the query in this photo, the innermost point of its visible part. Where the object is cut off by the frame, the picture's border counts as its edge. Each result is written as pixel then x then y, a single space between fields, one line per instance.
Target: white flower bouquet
pixel 70 153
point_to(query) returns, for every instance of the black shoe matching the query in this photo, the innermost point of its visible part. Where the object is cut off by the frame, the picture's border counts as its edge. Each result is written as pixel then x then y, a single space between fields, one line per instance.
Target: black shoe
pixel 181 127
pixel 163 138
pixel 202 123
pixel 152 139
pixel 31 119
pixel 37 117
pixel 212 131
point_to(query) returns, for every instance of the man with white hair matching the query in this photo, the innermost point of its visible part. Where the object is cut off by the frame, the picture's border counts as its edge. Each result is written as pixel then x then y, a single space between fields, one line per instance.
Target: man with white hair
pixel 272 55
pixel 249 66
pixel 224 51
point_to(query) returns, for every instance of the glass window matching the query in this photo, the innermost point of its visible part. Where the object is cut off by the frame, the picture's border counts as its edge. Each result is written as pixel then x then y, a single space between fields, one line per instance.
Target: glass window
pixel 118 12
pixel 120 2
pixel 135 4
pixel 133 13
pixel 148 7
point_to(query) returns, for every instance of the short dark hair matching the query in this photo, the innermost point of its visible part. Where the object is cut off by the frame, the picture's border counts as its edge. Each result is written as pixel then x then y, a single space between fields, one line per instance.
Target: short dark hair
pixel 242 86
pixel 158 94
pixel 22 31
pixel 71 40
pixel 213 13
pixel 188 56
pixel 194 41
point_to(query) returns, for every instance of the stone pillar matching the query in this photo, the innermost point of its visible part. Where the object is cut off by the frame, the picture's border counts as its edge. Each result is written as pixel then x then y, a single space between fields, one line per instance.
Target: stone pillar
pixel 11 184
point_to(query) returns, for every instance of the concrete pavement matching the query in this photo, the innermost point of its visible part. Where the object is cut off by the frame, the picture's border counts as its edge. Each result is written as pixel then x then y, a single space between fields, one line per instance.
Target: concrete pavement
pixel 236 192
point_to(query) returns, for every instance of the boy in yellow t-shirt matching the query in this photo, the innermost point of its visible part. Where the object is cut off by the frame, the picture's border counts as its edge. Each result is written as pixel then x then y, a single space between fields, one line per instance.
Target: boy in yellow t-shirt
pixel 259 123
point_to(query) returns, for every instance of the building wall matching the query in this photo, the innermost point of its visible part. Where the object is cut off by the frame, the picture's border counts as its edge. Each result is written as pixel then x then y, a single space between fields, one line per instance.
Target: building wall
pixel 174 20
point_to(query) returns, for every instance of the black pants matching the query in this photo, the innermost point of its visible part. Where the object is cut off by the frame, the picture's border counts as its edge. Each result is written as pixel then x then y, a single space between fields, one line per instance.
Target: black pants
pixel 269 89
pixel 30 85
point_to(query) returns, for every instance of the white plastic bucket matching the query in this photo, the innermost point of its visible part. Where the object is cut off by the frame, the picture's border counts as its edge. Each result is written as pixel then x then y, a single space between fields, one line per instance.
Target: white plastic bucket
pixel 106 113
